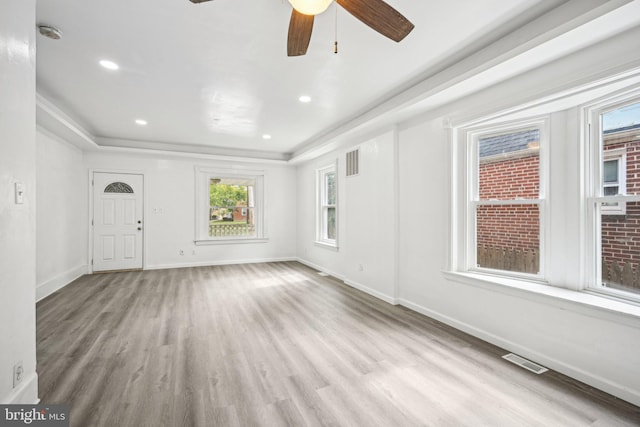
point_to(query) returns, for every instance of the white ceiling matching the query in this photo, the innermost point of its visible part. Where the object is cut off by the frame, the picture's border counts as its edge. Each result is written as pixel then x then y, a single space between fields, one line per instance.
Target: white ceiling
pixel 216 75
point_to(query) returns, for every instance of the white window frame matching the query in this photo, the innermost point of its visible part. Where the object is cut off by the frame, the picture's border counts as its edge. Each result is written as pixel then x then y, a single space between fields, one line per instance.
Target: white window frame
pixel 466 260
pixel 570 259
pixel 203 176
pixel 322 206
pixel 593 179
pixel 620 155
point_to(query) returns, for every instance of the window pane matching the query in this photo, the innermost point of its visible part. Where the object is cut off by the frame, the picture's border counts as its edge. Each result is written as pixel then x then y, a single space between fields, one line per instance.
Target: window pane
pixel 620 246
pixel 330 182
pixel 620 138
pixel 509 166
pixel 622 118
pixel 231 212
pixel 610 172
pixel 508 238
pixel 611 190
pixel 331 223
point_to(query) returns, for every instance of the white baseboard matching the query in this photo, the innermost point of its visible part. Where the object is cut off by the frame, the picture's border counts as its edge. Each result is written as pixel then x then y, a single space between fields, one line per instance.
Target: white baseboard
pixel 367 290
pixel 384 297
pixel 45 289
pixel 26 393
pixel 618 390
pixel 319 268
pixel 213 263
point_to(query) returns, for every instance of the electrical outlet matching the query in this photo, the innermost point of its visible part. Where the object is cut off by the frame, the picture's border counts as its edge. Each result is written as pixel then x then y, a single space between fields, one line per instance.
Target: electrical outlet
pixel 193 252
pixel 181 252
pixel 360 267
pixel 18 374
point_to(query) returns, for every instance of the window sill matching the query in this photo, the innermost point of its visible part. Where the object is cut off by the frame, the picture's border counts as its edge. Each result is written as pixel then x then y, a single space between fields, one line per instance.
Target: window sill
pixel 230 241
pixel 585 303
pixel 326 245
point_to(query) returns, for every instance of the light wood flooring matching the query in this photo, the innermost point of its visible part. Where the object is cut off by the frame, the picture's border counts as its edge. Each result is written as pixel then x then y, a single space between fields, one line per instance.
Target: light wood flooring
pixel 278 345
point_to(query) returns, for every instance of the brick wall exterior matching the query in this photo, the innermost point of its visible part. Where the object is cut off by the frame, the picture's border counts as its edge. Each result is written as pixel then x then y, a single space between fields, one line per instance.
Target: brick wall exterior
pixel 621 233
pixel 516 175
pixel 509 177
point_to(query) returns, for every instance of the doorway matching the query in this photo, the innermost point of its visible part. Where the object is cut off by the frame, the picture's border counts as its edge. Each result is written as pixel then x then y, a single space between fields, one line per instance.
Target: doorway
pixel 117 221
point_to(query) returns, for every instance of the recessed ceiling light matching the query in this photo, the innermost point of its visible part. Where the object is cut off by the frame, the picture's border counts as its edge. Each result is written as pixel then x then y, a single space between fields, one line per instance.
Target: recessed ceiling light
pixel 141 122
pixel 266 136
pixel 109 65
pixel 304 98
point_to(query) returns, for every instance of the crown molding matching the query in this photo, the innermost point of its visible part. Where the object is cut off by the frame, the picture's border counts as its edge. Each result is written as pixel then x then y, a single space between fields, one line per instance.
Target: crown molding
pixel 474 71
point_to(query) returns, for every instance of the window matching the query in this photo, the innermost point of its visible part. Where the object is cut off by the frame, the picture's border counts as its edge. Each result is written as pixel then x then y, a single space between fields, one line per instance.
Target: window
pixel 229 206
pixel 614 179
pixel 505 200
pixel 118 187
pixel 327 215
pixel 614 202
pixel 550 200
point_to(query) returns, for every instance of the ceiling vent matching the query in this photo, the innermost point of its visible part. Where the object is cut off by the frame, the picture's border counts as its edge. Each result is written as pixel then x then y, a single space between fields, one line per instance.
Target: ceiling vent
pixel 353 162
pixel 524 363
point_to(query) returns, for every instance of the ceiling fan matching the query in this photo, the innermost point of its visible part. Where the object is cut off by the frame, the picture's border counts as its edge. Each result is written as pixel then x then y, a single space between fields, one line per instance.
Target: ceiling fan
pixel 376 14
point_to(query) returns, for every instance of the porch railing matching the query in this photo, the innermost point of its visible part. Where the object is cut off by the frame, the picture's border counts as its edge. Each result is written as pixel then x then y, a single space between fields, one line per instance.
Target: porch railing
pixel 229 230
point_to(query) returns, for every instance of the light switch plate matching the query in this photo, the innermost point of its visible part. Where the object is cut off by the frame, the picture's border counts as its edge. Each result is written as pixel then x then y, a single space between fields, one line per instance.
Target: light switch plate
pixel 19 193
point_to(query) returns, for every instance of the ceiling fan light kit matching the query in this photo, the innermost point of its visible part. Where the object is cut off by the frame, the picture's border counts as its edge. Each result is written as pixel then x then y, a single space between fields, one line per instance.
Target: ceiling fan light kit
pixel 310 7
pixel 376 14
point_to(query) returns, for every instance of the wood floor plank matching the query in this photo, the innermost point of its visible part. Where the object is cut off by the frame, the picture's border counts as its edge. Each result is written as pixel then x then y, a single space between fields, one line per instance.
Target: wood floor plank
pixel 276 344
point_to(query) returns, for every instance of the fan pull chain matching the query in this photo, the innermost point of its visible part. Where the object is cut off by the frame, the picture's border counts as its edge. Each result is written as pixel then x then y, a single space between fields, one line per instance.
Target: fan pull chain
pixel 335 44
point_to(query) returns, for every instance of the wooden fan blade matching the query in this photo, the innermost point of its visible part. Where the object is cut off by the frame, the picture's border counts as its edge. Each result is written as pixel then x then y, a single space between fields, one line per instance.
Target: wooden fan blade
pixel 300 28
pixel 379 16
pixel 198 1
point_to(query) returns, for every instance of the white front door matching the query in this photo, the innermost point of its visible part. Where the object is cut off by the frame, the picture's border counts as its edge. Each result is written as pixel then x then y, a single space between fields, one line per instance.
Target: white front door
pixel 117 221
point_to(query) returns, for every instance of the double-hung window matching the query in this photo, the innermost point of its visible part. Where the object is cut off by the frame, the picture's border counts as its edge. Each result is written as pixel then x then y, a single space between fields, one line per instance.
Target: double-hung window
pixel 229 205
pixel 570 220
pixel 613 204
pixel 505 204
pixel 327 206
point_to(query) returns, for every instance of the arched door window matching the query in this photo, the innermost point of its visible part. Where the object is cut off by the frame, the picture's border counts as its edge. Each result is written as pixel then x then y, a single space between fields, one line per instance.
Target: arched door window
pixel 118 187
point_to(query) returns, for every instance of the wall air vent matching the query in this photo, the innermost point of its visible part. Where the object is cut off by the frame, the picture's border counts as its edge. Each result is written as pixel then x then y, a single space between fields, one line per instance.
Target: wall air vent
pixel 524 363
pixel 353 162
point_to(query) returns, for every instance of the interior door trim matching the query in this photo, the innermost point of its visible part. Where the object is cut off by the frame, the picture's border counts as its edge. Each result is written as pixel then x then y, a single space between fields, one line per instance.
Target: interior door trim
pixel 145 210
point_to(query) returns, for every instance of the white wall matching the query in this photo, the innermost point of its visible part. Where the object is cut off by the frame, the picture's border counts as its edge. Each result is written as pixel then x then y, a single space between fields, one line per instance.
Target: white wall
pixel 585 343
pixel 597 346
pixel 394 220
pixel 170 187
pixel 366 218
pixel 61 215
pixel 17 222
